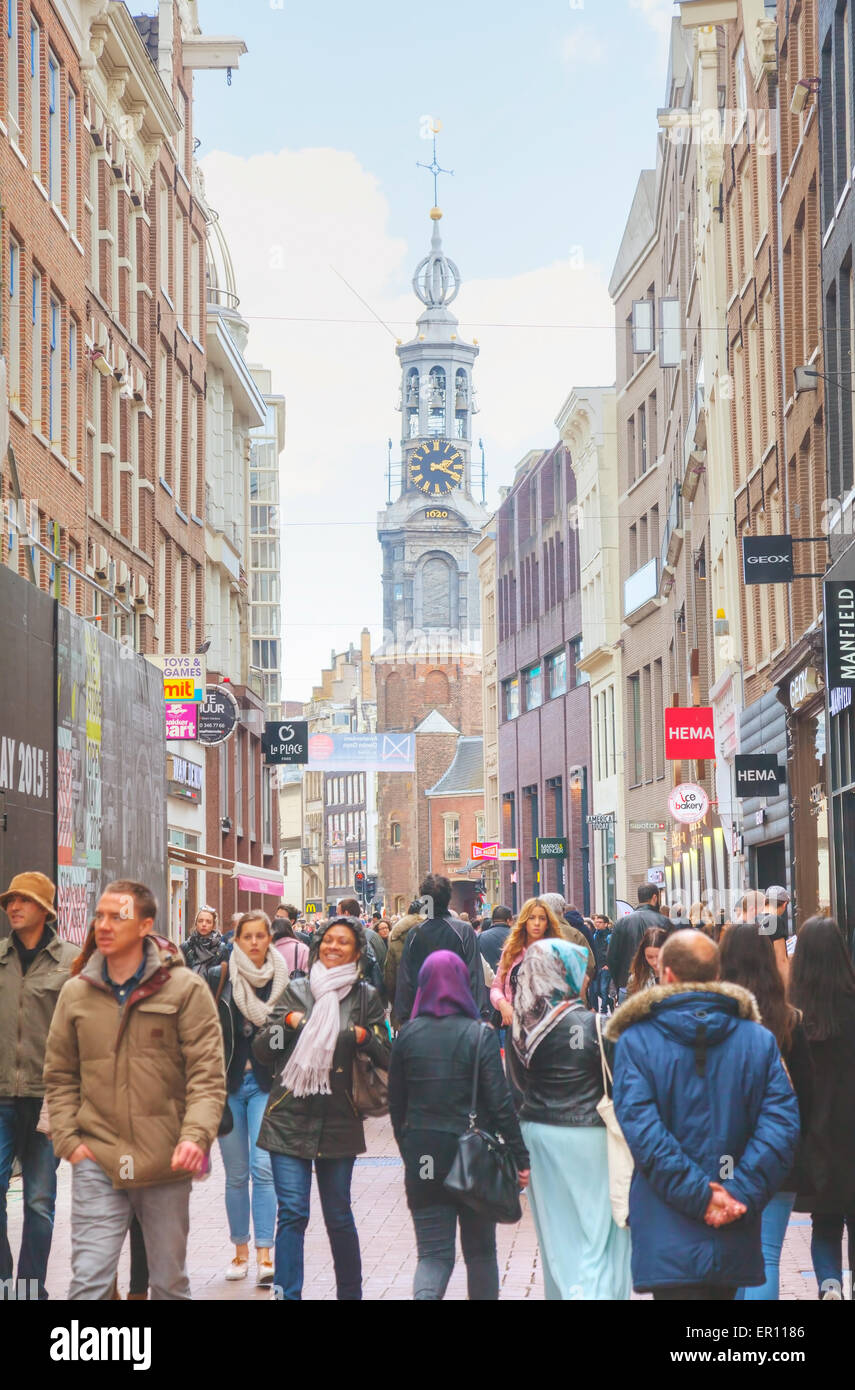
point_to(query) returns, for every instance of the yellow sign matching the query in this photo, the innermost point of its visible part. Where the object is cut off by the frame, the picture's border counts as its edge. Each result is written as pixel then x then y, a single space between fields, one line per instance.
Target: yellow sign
pixel 179 690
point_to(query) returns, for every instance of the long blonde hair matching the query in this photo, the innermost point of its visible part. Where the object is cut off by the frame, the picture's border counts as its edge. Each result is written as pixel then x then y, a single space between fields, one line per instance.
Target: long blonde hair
pixel 516 941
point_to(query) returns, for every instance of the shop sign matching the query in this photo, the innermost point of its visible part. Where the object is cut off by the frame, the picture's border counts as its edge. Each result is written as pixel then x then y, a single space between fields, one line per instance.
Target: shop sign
pixel 182 720
pixel 551 849
pixel 183 677
pixel 688 803
pixel 689 733
pixel 758 774
pixel 656 875
pixel 648 825
pixel 804 686
pixel 506 855
pixel 184 779
pixel 839 618
pixel 767 559
pixel 602 822
pixel 489 850
pixel 314 906
pixel 840 699
pixel 286 743
pixel 218 715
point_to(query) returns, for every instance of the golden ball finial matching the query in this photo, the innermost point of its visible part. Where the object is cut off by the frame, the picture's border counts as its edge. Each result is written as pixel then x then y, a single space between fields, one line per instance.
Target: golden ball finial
pixel 436 214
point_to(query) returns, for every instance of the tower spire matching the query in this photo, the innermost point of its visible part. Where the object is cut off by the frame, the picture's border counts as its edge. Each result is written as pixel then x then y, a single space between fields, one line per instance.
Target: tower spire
pixel 435 168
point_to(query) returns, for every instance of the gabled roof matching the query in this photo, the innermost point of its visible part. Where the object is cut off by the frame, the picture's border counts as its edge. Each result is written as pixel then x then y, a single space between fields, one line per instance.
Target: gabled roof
pixel 640 226
pixel 435 723
pixel 465 776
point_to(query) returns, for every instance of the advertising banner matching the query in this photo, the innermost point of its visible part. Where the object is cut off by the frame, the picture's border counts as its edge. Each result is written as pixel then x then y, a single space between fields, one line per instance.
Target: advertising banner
pixel 27 692
pixel 362 753
pixel 182 720
pixel 183 677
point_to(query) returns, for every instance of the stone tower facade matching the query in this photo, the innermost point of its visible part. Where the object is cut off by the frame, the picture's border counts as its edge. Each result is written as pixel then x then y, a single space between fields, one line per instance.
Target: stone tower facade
pixel 428 667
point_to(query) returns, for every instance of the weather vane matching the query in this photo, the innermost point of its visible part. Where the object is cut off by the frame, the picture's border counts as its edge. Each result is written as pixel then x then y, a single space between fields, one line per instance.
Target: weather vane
pixel 435 167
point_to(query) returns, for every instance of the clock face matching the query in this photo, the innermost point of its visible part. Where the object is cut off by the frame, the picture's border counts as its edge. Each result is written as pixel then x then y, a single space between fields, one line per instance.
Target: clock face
pixel 436 468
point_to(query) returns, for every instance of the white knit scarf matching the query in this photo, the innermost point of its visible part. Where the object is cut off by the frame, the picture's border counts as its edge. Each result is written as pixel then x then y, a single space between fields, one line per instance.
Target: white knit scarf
pixel 246 978
pixel 307 1071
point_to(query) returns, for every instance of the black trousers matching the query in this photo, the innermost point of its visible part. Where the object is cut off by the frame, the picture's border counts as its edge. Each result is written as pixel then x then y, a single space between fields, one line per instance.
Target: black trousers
pixel 698 1293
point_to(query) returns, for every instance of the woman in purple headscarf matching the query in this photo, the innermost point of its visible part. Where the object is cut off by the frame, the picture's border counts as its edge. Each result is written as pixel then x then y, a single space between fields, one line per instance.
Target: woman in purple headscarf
pixel 430 1092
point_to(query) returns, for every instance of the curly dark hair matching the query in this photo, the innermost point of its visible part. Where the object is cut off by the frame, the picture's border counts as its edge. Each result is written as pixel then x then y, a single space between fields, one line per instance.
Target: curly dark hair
pixel 353 923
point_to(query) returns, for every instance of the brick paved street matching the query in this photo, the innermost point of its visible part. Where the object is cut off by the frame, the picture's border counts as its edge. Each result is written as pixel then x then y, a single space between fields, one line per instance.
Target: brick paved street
pixel 388 1250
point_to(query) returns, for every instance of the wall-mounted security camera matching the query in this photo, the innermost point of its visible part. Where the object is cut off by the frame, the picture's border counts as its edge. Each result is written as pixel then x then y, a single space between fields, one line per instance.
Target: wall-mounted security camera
pixel 804 89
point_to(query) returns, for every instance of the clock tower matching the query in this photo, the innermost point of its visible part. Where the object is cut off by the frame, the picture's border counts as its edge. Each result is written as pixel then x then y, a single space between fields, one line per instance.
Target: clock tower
pixel 427 534
pixel 428 668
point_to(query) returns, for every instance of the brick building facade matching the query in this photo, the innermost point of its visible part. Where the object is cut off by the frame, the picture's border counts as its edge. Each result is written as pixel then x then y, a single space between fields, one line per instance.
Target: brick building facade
pixel 544 714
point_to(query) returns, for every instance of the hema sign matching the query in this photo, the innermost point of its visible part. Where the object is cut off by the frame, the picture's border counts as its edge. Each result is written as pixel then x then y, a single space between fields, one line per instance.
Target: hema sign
pixel 758 774
pixel 689 733
pixel 840 633
pixel 767 559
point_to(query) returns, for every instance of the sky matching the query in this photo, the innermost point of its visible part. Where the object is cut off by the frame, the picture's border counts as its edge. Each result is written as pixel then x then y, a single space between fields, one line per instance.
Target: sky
pixel 310 158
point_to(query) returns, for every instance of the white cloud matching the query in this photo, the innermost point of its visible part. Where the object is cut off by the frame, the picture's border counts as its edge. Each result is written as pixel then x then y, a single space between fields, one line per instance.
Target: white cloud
pixel 289 218
pixel 582 47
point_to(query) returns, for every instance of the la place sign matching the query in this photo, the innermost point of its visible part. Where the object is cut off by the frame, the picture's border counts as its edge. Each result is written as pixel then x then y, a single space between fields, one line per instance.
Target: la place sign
pixel 689 733
pixel 688 803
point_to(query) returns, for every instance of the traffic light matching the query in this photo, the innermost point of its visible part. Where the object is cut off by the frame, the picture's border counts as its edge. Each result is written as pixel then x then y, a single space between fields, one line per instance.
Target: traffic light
pixel 359 882
pixel 370 886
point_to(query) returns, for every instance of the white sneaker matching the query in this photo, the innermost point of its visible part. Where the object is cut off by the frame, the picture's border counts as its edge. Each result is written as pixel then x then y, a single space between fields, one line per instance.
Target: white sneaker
pixel 264 1273
pixel 238 1269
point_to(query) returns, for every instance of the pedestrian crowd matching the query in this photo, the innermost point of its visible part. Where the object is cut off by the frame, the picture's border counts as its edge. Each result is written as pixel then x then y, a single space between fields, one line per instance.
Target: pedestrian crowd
pixel 666 1089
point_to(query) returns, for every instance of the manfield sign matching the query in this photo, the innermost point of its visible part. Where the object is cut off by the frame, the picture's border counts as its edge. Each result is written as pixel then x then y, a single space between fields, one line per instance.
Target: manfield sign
pixel 839 633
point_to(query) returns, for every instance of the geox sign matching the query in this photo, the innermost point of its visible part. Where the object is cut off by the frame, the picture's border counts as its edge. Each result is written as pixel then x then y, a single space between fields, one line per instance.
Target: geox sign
pixel 758 774
pixel 839 633
pixel 767 559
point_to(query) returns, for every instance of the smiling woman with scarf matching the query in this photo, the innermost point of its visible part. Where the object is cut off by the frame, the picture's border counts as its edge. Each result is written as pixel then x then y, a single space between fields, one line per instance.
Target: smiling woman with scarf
pixel 556 1064
pixel 310 1041
pixel 247 986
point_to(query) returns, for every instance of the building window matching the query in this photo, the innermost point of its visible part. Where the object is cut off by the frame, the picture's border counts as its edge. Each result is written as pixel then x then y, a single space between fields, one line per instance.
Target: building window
pixel 239 742
pixel 163 233
pixel 637 739
pixel 480 826
pixel 178 438
pixel 12 68
pixel 55 376
pixel 511 698
pixel 35 99
pixel 224 780
pixel 451 822
pixel 556 666
pixel 73 564
pixel 533 686
pixel 71 207
pixel 195 288
pixel 36 379
pixel 178 252
pixel 251 795
pixel 577 677
pixel 395 834
pixel 14 324
pixel 54 168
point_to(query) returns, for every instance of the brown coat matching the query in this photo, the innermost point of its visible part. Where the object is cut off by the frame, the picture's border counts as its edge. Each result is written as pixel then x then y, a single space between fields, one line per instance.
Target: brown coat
pixel 133 1082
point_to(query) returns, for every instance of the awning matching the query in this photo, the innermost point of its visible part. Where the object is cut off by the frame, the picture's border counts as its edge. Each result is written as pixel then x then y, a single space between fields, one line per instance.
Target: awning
pixel 261 885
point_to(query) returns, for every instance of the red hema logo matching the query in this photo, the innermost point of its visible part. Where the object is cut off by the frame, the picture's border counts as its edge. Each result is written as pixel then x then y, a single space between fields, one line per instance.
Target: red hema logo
pixel 689 734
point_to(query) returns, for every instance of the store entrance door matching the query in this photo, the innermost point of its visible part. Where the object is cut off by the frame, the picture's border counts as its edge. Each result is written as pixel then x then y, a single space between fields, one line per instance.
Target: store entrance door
pixel 770 865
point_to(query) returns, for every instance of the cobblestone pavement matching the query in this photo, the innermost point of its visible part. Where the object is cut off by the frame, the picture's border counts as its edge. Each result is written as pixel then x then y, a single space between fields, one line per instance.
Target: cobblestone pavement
pixel 386 1234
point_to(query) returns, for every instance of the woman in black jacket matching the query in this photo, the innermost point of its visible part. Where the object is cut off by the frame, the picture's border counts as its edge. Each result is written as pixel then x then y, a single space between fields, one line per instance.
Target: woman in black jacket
pixel 748 959
pixel 204 946
pixel 556 1064
pixel 311 1117
pixel 430 1094
pixel 822 985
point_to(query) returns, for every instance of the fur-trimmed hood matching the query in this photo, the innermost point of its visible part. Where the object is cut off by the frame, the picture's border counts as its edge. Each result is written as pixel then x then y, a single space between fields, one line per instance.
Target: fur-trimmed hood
pixel 642 1006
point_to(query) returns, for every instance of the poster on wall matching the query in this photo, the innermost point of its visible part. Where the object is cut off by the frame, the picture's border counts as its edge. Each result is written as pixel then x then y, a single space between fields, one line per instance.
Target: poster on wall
pixel 111 759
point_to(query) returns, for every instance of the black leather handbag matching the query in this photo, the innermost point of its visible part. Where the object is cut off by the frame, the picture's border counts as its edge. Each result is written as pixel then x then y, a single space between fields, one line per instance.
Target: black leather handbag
pixel 484 1174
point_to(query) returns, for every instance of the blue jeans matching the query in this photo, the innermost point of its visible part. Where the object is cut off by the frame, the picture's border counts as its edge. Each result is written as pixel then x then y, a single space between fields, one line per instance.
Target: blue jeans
pixel 243 1158
pixel 776 1215
pixel 292 1179
pixel 19 1136
pixel 826 1249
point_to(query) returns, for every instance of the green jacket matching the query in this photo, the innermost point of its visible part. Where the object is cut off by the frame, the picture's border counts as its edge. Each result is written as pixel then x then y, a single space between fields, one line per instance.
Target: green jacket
pixel 322 1126
pixel 396 943
pixel 27 1003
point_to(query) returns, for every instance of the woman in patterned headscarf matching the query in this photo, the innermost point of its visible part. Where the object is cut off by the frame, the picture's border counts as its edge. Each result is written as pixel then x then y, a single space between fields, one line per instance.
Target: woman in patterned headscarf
pixel 556 1064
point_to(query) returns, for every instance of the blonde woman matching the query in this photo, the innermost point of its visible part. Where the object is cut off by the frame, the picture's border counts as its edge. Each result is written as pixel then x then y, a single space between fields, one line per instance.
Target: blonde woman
pixel 701 917
pixel 536 922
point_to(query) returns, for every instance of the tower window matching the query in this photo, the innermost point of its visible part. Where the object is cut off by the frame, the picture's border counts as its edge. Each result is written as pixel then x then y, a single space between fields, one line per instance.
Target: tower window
pixel 436 402
pixel 436 594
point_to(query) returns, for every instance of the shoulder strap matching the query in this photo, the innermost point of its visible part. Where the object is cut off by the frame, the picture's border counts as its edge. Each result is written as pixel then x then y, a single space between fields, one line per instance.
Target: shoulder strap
pixel 473 1107
pixel 604 1063
pixel 363 1003
pixel 224 970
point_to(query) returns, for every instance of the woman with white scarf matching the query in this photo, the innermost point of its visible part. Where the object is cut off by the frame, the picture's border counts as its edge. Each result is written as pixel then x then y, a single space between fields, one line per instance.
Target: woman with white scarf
pixel 310 1041
pixel 248 986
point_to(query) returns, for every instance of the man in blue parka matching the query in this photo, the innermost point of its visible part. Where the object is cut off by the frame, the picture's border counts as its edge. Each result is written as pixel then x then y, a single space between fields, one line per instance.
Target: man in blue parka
pixel 709 1113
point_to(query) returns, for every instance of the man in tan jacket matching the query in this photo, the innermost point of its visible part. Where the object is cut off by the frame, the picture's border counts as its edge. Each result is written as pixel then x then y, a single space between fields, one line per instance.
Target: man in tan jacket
pixel 135 1086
